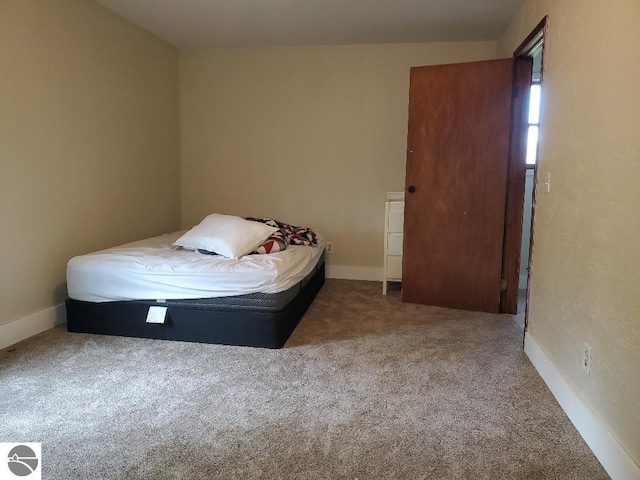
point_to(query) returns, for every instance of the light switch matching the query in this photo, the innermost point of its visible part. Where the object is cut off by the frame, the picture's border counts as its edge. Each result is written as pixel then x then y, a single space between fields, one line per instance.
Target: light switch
pixel 547 184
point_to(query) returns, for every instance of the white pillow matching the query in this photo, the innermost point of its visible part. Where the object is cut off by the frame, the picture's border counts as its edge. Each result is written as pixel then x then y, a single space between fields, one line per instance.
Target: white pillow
pixel 229 236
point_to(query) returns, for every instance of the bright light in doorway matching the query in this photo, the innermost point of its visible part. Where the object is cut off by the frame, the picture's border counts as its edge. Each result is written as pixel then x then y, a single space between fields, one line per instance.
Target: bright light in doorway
pixel 534 123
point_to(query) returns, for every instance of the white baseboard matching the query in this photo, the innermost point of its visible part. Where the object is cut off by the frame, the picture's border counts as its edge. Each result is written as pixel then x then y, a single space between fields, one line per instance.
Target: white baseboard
pixel 355 273
pixel 23 328
pixel 615 460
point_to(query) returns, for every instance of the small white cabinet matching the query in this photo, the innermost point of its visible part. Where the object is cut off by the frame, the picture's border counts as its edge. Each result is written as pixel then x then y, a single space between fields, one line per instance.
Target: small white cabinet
pixel 393 223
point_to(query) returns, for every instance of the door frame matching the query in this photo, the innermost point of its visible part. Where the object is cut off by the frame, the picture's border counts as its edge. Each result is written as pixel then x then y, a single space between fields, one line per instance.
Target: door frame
pixel 514 206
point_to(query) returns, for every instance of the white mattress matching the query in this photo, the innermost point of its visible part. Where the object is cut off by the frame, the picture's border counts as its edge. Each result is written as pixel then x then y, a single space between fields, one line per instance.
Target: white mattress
pixel 153 269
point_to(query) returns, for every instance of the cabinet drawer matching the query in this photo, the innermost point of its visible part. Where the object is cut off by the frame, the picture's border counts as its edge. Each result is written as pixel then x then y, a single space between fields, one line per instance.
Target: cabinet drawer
pixel 394 244
pixel 396 217
pixel 394 267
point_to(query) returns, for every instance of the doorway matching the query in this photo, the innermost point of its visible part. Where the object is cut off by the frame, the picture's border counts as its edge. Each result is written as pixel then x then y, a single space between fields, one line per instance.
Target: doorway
pixel 533 48
pixel 463 219
pixel 533 117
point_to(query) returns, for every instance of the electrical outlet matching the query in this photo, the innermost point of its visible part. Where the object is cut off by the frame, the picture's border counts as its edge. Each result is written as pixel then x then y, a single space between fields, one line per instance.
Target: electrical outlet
pixel 329 247
pixel 586 358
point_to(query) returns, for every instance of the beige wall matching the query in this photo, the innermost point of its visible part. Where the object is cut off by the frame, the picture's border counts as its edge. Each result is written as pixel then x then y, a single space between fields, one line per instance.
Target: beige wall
pixel 309 135
pixel 586 268
pixel 89 149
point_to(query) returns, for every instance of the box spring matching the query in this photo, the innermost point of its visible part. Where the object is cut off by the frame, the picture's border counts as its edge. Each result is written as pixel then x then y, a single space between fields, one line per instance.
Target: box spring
pixel 256 320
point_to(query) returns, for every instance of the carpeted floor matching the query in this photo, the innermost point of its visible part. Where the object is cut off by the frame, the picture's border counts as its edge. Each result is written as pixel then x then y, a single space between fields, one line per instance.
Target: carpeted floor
pixel 366 388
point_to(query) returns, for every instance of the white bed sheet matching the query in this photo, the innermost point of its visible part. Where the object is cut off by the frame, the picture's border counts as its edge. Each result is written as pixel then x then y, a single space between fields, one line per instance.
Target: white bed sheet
pixel 153 269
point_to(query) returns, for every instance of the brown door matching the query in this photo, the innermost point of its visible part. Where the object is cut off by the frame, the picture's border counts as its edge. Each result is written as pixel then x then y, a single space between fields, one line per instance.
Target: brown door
pixel 516 179
pixel 457 156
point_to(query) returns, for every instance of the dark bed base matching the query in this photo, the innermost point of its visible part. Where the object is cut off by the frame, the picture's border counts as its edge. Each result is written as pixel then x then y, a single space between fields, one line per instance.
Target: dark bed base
pixel 189 324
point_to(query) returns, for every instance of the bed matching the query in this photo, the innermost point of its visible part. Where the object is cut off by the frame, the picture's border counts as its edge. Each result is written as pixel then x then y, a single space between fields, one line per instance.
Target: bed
pixel 155 289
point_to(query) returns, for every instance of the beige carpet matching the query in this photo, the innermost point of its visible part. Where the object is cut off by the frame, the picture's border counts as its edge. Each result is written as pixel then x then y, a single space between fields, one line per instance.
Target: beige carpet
pixel 366 388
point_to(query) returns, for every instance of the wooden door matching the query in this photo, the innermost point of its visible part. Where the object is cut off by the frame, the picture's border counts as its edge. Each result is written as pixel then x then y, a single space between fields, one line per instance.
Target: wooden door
pixel 457 156
pixel 516 179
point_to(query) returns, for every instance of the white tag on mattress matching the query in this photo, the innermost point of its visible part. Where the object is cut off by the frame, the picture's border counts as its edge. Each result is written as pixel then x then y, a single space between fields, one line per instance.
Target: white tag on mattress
pixel 157 314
